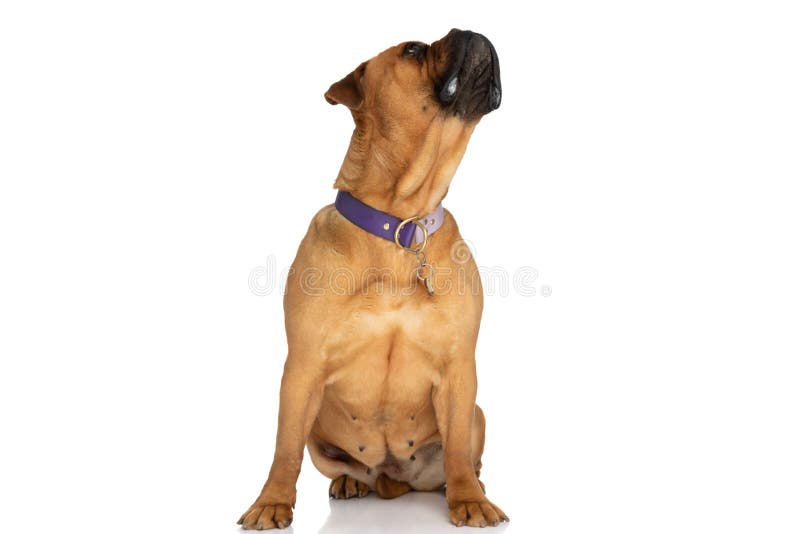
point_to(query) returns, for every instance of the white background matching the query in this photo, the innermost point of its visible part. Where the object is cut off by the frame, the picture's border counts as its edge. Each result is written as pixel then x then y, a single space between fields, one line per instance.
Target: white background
pixel 644 161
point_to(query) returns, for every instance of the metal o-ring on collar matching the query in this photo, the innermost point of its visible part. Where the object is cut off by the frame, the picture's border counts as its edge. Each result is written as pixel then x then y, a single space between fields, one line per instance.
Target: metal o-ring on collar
pixel 421 226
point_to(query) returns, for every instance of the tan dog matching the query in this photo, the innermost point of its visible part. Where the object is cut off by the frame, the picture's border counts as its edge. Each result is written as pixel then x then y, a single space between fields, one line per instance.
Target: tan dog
pixel 380 384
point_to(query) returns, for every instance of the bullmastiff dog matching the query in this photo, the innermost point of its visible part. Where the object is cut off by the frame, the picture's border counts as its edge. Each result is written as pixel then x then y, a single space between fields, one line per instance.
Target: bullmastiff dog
pixel 384 301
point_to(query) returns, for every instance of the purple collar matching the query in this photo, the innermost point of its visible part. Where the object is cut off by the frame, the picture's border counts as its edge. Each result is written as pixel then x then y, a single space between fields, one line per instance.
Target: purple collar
pixel 384 225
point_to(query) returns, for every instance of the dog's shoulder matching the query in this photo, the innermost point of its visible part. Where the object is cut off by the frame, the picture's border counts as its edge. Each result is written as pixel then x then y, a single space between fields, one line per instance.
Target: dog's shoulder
pixel 328 226
pixel 326 238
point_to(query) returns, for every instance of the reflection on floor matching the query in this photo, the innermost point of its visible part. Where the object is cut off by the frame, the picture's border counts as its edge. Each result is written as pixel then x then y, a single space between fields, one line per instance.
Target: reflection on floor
pixel 414 512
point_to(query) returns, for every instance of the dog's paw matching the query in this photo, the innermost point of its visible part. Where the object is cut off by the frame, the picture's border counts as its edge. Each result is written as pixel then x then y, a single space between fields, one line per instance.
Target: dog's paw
pixel 265 516
pixel 346 487
pixel 480 513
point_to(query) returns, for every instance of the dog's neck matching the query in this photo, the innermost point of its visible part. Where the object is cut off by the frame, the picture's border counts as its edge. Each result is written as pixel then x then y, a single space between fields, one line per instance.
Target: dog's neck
pixel 376 171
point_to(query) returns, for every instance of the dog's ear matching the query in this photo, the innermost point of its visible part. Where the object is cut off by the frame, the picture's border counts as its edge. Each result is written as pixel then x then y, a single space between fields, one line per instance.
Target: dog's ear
pixel 348 90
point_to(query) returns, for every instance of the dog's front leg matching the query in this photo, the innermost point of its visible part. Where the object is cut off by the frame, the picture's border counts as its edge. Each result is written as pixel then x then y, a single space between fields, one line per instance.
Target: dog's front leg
pixel 454 403
pixel 301 394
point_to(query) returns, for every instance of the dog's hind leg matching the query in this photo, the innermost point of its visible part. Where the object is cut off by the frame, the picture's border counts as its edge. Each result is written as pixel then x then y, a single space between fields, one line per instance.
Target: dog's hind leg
pixel 345 487
pixel 349 477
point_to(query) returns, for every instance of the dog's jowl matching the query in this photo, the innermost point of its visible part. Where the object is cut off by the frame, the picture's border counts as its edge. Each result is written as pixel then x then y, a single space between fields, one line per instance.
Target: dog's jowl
pixel 384 302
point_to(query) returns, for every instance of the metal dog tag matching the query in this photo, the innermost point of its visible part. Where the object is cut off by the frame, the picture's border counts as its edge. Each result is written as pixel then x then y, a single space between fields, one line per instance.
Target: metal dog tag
pixel 429 285
pixel 428 280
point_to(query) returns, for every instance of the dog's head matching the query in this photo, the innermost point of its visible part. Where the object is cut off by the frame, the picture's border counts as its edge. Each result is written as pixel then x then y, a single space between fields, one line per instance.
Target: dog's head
pixel 416 102
pixel 457 75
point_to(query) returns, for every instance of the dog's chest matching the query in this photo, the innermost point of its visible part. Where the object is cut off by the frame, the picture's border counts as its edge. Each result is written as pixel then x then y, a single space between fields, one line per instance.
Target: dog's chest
pixel 384 353
pixel 383 370
pixel 395 329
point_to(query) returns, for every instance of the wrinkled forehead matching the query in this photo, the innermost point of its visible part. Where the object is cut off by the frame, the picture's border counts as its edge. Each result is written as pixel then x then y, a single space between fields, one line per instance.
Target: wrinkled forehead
pixel 387 58
pixel 390 65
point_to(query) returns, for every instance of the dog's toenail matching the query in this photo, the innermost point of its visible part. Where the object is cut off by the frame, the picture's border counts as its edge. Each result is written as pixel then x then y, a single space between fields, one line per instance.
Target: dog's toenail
pixel 361 448
pixel 413 458
pixel 369 470
pixel 412 417
pixel 354 418
pixel 411 443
